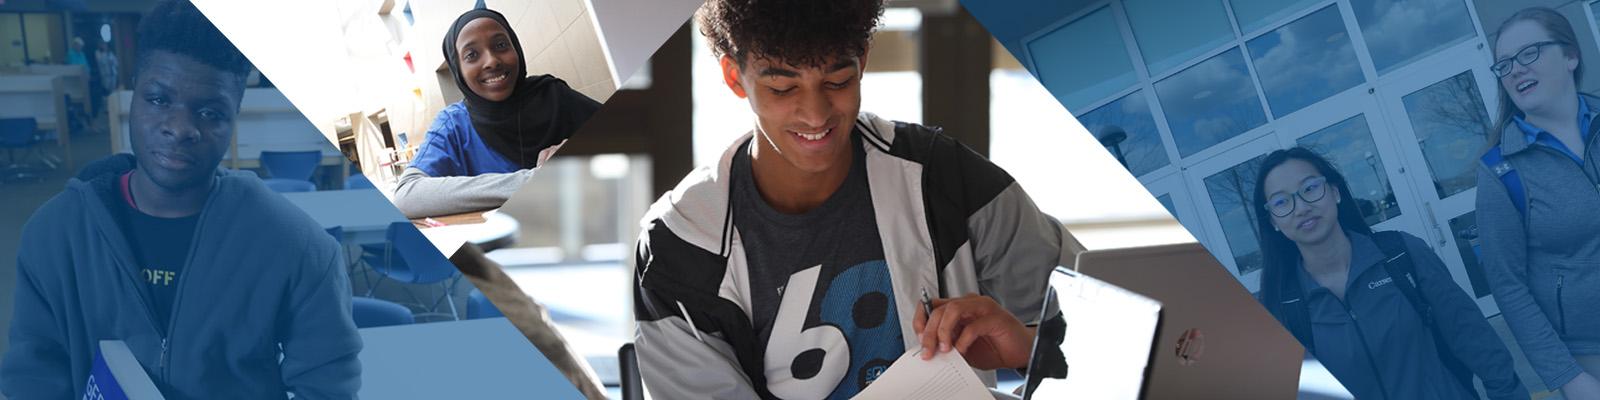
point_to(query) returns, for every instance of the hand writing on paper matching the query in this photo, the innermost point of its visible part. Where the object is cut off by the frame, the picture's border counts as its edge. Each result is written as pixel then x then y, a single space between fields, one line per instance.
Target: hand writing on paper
pixel 978 328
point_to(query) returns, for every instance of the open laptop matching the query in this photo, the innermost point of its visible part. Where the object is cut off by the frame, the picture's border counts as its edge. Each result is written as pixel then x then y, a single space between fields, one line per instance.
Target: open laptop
pixel 1211 339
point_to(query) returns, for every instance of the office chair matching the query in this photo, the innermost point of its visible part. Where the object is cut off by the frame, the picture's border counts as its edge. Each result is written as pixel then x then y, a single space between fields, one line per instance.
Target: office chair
pixel 372 313
pixel 18 134
pixel 409 257
pixel 297 165
pixel 628 366
pixel 479 306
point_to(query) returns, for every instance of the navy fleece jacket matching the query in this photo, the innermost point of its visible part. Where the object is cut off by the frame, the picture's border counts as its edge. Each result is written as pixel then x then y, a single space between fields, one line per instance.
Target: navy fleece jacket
pixel 263 281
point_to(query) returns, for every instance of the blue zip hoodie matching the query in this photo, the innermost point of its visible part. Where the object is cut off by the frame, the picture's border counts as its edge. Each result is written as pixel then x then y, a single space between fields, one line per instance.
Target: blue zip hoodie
pixel 1545 267
pixel 263 281
pixel 1376 343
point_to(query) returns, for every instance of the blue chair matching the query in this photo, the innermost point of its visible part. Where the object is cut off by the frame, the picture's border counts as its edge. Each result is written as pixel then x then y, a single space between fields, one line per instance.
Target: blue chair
pixel 298 165
pixel 358 181
pixel 479 307
pixel 409 257
pixel 289 185
pixel 17 134
pixel 372 313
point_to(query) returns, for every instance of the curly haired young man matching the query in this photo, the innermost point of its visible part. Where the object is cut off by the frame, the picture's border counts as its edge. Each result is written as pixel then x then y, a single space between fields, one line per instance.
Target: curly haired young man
pixel 794 268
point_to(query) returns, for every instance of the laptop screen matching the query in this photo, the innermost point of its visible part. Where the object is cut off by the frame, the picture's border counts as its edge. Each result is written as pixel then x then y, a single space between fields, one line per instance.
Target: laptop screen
pixel 1106 343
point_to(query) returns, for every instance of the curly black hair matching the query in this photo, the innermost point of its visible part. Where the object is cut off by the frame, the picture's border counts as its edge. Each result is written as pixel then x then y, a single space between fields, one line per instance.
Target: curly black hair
pixel 805 33
pixel 178 27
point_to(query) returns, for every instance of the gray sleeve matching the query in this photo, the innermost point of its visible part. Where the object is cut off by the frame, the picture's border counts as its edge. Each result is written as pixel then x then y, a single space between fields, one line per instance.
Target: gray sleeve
pixel 678 364
pixel 1015 246
pixel 419 195
pixel 1504 241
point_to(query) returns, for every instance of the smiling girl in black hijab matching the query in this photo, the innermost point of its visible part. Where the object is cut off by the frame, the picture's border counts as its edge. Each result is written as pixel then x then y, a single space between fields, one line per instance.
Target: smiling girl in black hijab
pixel 480 150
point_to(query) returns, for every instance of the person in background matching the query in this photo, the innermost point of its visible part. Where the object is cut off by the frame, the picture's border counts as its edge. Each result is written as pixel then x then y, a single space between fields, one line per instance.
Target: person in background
pixel 75 54
pixel 106 59
pixel 106 66
pixel 221 288
pixel 1419 336
pixel 480 150
pixel 1538 205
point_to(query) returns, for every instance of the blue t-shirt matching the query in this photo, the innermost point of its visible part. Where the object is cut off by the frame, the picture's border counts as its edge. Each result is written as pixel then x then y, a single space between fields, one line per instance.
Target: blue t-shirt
pixel 453 148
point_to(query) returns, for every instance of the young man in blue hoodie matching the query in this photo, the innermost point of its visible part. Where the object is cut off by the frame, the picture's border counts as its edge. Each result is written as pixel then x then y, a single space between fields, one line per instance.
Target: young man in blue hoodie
pixel 220 287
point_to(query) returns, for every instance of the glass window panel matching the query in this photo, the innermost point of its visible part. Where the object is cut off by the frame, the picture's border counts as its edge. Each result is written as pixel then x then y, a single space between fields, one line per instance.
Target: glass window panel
pixel 1166 201
pixel 44 33
pixel 1451 125
pixel 1305 61
pixel 1084 61
pixel 1210 102
pixel 1349 147
pixel 1142 149
pixel 1230 192
pixel 1398 31
pixel 11 53
pixel 1465 229
pixel 1256 14
pixel 1172 32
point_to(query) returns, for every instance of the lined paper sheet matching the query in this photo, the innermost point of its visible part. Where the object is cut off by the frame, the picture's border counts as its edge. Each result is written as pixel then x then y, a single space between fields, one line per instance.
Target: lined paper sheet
pixel 946 376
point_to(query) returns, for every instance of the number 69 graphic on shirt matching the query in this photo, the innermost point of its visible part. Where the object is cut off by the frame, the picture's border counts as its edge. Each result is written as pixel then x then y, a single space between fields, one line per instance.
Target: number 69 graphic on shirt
pixel 785 346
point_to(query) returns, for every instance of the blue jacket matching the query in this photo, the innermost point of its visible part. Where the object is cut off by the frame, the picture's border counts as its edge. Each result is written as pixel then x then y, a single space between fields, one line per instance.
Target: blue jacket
pixel 1545 267
pixel 452 148
pixel 263 281
pixel 1375 341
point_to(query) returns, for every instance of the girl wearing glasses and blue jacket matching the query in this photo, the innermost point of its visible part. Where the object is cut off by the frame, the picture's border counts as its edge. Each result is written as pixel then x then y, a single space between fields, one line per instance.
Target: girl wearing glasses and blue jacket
pixel 1538 205
pixel 1379 310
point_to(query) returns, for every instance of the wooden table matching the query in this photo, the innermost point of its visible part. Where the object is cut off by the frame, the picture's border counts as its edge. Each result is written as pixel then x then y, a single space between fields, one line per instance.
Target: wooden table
pixel 490 230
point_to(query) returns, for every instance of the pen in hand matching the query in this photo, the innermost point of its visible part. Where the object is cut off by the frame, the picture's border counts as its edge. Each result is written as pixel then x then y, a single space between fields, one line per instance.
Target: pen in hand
pixel 927 304
pixel 927 315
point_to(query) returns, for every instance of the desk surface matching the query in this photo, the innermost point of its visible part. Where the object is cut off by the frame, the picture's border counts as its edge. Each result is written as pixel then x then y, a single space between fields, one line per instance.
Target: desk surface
pixel 354 210
pixel 473 359
pixel 490 230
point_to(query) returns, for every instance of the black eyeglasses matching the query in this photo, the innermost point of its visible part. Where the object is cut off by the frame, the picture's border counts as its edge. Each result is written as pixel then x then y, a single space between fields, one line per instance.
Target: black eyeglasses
pixel 1311 190
pixel 1527 55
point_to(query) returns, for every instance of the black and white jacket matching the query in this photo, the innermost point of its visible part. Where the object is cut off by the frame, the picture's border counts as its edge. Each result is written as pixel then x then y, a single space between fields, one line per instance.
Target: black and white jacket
pixel 948 218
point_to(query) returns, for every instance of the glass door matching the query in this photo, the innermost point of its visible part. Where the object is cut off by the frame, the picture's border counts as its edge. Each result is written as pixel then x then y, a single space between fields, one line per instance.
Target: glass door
pixel 1440 114
pixel 1223 185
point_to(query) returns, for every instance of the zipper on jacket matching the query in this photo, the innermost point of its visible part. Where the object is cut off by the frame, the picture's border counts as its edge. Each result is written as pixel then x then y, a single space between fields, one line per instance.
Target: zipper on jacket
pixel 177 295
pixel 1561 309
pixel 163 361
pixel 188 268
pixel 1361 336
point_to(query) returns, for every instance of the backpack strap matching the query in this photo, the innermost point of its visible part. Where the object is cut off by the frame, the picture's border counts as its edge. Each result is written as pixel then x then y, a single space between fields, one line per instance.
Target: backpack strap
pixel 1400 266
pixel 1501 167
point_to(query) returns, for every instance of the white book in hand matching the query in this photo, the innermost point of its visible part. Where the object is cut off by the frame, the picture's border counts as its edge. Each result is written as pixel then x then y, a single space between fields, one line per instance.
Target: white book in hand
pixel 117 375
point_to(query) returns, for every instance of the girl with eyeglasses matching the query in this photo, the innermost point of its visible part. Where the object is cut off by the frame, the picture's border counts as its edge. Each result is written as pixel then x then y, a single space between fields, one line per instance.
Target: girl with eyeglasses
pixel 1538 205
pixel 1379 310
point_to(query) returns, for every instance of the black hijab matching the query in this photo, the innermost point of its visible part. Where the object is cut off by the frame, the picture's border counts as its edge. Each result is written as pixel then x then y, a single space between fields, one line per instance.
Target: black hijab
pixel 541 112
